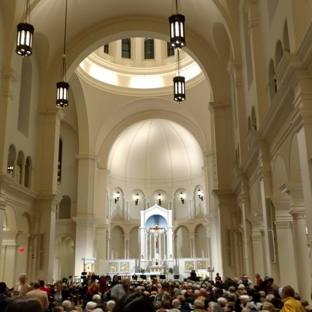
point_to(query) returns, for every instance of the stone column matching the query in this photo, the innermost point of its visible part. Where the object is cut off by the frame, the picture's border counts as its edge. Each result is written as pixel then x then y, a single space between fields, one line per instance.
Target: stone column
pixel 10 246
pixel 101 248
pixel 301 252
pixel 126 246
pixel 257 251
pixel 285 242
pixel 169 242
pixel 143 243
pixel 108 243
pixel 46 211
pixel 85 234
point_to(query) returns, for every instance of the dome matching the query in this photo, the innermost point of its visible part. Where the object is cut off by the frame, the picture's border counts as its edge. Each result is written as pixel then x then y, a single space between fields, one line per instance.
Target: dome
pixel 155 151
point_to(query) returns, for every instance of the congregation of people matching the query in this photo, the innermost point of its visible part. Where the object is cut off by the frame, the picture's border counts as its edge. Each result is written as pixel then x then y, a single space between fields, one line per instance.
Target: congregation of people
pixel 124 295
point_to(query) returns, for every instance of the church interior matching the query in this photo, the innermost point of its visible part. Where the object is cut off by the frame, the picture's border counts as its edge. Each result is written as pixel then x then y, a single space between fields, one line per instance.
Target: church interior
pixel 126 178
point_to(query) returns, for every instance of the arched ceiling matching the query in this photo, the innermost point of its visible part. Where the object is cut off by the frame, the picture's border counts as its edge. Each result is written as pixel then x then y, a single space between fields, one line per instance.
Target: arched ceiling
pixel 155 151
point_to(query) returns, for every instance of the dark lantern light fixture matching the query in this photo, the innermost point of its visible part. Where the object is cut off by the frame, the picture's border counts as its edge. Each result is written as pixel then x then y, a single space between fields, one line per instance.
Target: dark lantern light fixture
pixel 62 87
pixel 177 31
pixel 25 33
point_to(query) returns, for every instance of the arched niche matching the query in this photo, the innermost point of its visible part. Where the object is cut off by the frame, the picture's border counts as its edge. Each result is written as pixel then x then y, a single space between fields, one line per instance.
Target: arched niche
pixel 180 204
pixel 182 242
pixel 10 218
pixel 65 208
pixel 135 243
pixel 201 247
pixel 286 38
pixel 117 211
pixel 137 199
pixel 117 244
pixel 279 176
pixel 294 167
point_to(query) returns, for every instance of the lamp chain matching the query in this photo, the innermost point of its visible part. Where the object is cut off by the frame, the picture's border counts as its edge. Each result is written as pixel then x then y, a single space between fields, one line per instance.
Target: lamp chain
pixel 27 12
pixel 64 50
pixel 175 8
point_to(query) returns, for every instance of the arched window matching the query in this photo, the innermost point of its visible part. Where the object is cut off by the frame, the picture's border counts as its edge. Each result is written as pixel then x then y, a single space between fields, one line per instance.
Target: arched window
pixel 149 48
pixel 59 164
pixel 286 38
pixel 272 80
pixel 11 161
pixel 64 208
pixel 28 172
pixel 106 48
pixel 170 49
pixel 20 174
pixel 278 53
pixel 126 48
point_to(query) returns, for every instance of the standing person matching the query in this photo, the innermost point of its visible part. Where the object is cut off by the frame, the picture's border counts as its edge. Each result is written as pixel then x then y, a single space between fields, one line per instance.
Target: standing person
pixel 58 297
pixel 22 287
pixel 121 290
pixel 290 303
pixel 4 299
pixel 41 295
pixel 259 282
pixel 103 288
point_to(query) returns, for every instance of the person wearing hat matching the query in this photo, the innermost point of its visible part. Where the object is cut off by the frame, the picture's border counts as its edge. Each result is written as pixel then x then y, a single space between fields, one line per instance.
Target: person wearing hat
pixel 4 299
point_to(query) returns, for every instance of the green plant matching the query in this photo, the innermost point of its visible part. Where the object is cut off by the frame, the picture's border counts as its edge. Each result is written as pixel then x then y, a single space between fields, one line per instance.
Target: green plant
pixel 170 270
pixel 142 270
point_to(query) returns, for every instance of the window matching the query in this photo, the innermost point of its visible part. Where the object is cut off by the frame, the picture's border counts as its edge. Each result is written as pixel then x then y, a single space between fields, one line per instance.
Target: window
pixel 170 49
pixel 126 48
pixel 106 48
pixel 59 164
pixel 149 48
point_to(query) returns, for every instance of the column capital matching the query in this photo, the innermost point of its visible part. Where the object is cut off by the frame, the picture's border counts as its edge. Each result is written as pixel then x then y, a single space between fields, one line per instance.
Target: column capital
pixel 57 112
pixel 297 212
pixel 88 158
pixel 86 221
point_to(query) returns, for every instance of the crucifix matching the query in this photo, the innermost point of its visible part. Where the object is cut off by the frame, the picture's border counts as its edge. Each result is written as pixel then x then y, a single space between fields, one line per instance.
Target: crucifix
pixel 156 234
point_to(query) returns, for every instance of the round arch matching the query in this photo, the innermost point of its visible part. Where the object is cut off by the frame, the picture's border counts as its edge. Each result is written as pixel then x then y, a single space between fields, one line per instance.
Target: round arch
pixel 153 108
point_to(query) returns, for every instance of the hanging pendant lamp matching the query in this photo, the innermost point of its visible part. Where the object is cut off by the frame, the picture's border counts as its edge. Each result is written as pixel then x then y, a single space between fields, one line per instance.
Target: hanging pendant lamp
pixel 62 87
pixel 179 84
pixel 177 33
pixel 25 33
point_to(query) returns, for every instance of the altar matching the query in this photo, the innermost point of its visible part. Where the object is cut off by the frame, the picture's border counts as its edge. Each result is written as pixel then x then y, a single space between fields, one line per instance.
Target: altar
pixel 157 269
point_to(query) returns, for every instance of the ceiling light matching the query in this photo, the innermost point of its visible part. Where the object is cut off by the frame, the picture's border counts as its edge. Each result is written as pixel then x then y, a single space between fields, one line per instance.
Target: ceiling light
pixel 177 33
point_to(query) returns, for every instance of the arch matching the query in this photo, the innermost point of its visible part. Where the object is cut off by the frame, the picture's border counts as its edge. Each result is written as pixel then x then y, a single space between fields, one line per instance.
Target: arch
pixel 200 239
pixel 278 52
pixel 113 30
pixel 286 38
pixel 149 49
pixel 134 251
pixel 24 223
pixel 117 245
pixel 10 218
pixel 272 81
pixel 294 168
pixel 279 175
pixel 139 110
pixel 182 245
pixel 65 208
pixel 222 42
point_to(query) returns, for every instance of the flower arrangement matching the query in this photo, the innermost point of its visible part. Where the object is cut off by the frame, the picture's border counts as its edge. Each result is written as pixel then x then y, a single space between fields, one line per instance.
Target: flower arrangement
pixel 142 270
pixel 170 270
